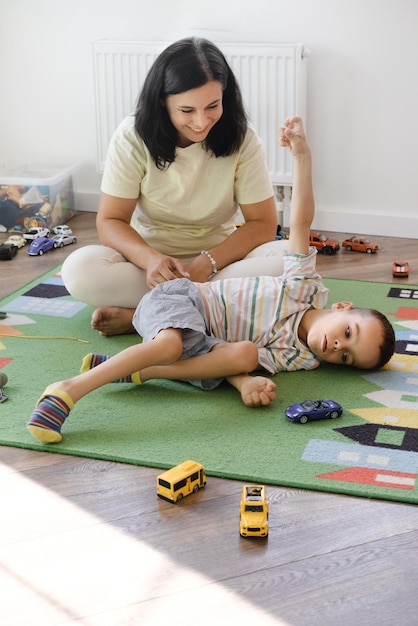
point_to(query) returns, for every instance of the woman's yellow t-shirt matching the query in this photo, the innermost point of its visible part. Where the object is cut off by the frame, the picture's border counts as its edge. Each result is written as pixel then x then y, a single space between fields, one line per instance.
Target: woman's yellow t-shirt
pixel 192 204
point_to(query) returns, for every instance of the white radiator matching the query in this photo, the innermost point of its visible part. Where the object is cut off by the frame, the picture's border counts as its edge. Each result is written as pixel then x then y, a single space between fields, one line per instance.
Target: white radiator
pixel 272 78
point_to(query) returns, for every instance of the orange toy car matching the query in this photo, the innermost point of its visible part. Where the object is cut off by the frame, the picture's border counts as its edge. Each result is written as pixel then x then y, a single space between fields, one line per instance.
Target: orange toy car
pixel 400 269
pixel 323 244
pixel 360 244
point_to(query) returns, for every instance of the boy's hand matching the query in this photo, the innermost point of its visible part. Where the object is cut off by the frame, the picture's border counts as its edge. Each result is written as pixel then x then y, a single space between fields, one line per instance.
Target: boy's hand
pixel 292 136
pixel 257 390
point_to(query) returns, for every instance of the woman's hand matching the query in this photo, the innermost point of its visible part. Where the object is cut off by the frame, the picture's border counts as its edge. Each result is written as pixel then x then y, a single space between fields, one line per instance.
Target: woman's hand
pixel 161 268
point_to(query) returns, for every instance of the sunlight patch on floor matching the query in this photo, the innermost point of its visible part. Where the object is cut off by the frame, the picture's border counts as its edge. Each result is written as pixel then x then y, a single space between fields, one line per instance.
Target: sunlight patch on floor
pixel 61 565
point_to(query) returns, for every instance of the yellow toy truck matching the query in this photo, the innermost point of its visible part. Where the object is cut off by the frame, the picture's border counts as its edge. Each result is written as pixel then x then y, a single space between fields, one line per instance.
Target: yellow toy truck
pixel 254 512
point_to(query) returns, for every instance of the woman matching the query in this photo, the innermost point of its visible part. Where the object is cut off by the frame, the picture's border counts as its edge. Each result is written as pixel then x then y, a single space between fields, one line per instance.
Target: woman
pixel 176 173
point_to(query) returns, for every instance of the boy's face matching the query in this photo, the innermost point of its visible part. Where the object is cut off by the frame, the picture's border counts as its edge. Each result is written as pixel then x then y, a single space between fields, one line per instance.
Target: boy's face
pixel 346 337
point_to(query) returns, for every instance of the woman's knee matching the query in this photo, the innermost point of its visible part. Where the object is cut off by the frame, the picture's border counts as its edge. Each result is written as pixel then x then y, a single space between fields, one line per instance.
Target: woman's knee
pixel 270 248
pixel 82 272
pixel 265 260
pixel 101 276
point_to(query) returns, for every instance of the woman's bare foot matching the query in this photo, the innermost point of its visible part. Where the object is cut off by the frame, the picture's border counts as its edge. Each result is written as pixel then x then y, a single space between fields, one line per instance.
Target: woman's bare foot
pixel 113 320
pixel 257 391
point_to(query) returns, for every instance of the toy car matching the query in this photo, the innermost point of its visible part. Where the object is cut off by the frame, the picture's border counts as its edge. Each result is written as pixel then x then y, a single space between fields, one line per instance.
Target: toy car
pixel 308 410
pixel 400 269
pixel 16 240
pixel 62 229
pixel 360 244
pixel 7 251
pixel 41 245
pixel 323 244
pixel 181 480
pixel 254 512
pixel 64 240
pixel 34 233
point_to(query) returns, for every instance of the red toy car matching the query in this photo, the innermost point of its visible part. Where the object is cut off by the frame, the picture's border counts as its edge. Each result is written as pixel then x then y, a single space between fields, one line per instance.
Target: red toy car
pixel 400 269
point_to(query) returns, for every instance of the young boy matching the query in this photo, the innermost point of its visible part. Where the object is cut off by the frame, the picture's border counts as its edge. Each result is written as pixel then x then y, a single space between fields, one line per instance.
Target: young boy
pixel 206 332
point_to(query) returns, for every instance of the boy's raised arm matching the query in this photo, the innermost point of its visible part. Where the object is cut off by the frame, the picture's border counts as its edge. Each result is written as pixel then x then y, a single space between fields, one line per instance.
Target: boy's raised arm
pixel 302 209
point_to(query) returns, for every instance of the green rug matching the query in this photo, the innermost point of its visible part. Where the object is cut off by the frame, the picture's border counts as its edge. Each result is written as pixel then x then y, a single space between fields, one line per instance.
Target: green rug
pixel 371 451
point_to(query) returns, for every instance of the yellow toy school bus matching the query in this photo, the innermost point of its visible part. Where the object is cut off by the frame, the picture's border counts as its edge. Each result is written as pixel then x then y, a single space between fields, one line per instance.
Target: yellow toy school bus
pixel 181 480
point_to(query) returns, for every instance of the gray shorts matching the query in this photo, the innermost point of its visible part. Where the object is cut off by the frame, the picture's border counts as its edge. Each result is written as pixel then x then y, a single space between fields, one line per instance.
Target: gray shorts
pixel 177 304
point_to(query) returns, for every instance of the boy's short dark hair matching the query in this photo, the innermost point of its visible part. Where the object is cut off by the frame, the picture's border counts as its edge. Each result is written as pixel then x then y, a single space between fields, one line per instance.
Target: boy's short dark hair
pixel 387 347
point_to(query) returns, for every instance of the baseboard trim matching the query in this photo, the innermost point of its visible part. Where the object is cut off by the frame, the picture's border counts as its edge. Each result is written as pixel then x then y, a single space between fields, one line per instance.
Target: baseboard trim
pixel 366 224
pixel 361 223
pixel 86 201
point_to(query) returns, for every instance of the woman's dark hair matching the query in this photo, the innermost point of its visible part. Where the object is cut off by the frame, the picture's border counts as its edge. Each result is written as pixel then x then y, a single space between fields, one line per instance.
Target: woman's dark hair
pixel 184 65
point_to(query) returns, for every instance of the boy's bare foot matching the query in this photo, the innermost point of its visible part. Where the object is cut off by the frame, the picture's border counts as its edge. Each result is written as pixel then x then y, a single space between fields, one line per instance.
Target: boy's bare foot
pixel 257 391
pixel 113 320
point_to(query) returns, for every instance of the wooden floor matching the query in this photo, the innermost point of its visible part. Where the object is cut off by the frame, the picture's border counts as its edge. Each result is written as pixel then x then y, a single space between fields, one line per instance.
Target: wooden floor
pixel 88 542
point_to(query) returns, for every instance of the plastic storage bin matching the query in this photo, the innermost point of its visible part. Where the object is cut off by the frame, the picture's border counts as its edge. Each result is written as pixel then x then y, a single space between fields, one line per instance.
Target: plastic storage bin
pixel 35 195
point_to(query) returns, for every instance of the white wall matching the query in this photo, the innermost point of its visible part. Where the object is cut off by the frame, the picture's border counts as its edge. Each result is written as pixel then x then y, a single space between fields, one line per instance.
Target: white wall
pixel 362 88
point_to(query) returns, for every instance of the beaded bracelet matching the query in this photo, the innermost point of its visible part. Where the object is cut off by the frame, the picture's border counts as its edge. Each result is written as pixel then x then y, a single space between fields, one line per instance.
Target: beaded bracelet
pixel 212 260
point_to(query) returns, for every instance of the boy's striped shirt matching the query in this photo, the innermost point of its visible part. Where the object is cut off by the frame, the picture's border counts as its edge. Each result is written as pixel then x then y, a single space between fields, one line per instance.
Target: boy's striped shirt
pixel 267 310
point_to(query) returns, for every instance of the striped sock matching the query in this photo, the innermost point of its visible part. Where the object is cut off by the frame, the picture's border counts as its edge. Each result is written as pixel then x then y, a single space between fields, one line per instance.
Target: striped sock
pixel 49 415
pixel 93 359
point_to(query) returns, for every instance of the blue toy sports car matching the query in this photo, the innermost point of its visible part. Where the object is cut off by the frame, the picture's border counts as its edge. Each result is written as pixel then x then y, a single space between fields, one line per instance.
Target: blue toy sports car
pixel 313 410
